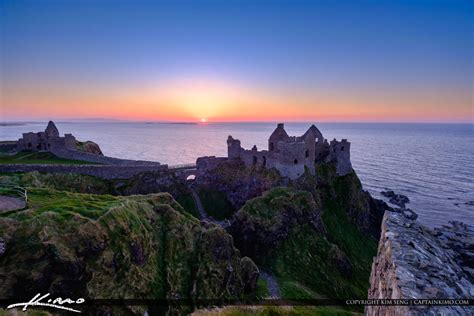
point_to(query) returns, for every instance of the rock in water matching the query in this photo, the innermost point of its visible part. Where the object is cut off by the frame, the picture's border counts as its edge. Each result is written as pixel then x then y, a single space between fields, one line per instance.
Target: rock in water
pixel 397 199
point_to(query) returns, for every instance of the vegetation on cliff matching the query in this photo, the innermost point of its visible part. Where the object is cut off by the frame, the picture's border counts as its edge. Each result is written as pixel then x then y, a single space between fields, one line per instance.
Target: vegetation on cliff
pixel 145 183
pixel 307 235
pixel 103 246
pixel 316 235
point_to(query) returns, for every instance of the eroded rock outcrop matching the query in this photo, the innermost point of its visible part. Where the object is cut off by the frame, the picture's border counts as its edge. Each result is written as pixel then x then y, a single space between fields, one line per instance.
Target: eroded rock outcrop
pixel 89 147
pixel 265 222
pixel 238 182
pixel 415 262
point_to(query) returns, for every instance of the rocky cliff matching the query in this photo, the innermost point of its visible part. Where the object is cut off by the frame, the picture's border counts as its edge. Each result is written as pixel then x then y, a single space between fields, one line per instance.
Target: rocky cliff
pixel 238 182
pixel 101 246
pixel 311 248
pixel 415 262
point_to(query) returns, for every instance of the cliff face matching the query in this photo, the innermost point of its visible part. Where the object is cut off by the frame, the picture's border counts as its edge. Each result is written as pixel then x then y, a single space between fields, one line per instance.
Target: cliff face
pixel 265 222
pixel 101 246
pixel 347 193
pixel 238 182
pixel 312 250
pixel 415 262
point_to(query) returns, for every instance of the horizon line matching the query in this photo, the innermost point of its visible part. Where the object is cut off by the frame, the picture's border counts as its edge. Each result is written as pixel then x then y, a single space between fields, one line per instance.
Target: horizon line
pixel 196 122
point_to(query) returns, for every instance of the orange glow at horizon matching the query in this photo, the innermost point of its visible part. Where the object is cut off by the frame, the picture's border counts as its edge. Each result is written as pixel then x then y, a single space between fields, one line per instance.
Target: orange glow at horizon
pixel 216 101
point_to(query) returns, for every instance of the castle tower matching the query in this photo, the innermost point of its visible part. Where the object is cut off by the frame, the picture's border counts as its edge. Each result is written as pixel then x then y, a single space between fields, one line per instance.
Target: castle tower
pixel 340 153
pixel 51 130
pixel 279 134
pixel 233 147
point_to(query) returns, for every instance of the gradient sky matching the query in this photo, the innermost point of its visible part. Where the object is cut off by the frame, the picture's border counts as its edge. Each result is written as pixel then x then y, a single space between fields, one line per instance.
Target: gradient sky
pixel 237 60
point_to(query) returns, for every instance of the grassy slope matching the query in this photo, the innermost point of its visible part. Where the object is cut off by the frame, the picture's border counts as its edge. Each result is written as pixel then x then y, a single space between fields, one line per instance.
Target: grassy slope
pixel 302 261
pixel 77 183
pixel 103 246
pixel 312 251
pixel 38 158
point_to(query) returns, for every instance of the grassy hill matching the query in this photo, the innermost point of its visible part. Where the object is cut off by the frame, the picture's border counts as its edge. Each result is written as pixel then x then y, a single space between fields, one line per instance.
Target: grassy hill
pixel 103 246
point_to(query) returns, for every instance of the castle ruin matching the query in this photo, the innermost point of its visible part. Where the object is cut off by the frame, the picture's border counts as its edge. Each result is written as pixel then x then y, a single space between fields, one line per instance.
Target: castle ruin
pixel 290 155
pixel 49 140
pixel 67 147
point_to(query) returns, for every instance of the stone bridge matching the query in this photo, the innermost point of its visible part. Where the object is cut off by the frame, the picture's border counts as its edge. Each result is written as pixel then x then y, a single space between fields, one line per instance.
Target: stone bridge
pixel 185 171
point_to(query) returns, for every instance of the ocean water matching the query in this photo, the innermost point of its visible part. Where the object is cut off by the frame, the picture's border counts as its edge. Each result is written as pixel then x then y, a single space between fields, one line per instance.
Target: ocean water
pixel 430 163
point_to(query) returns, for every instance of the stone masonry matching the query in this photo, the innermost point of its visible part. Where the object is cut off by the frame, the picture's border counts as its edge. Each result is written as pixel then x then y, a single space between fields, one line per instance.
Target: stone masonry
pixel 46 141
pixel 290 155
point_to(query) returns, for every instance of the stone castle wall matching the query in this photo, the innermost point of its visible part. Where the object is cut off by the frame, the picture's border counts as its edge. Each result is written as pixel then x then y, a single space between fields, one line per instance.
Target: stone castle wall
pixel 290 155
pixel 84 156
pixel 415 262
pixel 340 152
pixel 101 171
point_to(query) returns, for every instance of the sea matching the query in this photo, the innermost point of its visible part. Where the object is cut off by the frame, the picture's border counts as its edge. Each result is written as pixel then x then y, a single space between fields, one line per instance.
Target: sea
pixel 432 164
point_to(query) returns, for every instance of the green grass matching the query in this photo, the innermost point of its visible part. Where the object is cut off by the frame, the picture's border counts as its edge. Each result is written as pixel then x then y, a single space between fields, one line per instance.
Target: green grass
pixel 216 204
pixel 293 289
pixel 359 247
pixel 262 288
pixel 38 158
pixel 187 202
pixel 65 204
pixel 312 251
pixel 276 311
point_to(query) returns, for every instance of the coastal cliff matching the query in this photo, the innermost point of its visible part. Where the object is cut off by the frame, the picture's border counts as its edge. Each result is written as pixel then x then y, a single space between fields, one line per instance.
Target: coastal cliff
pixel 101 246
pixel 415 262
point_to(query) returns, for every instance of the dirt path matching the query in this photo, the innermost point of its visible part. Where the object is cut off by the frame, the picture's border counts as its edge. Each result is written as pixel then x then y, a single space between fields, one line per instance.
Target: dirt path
pixel 202 211
pixel 272 284
pixel 8 203
pixel 199 205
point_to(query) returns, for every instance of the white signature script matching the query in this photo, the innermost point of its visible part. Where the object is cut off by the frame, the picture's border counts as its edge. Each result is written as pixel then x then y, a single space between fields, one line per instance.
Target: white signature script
pixel 56 303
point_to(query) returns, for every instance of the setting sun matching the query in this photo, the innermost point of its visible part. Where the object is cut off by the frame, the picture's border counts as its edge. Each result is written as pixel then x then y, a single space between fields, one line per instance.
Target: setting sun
pixel 203 120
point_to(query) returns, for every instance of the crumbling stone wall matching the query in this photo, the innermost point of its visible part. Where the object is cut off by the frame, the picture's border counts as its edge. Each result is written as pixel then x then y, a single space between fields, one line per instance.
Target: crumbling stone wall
pixel 340 153
pixel 80 155
pixel 47 140
pixel 415 262
pixel 101 171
